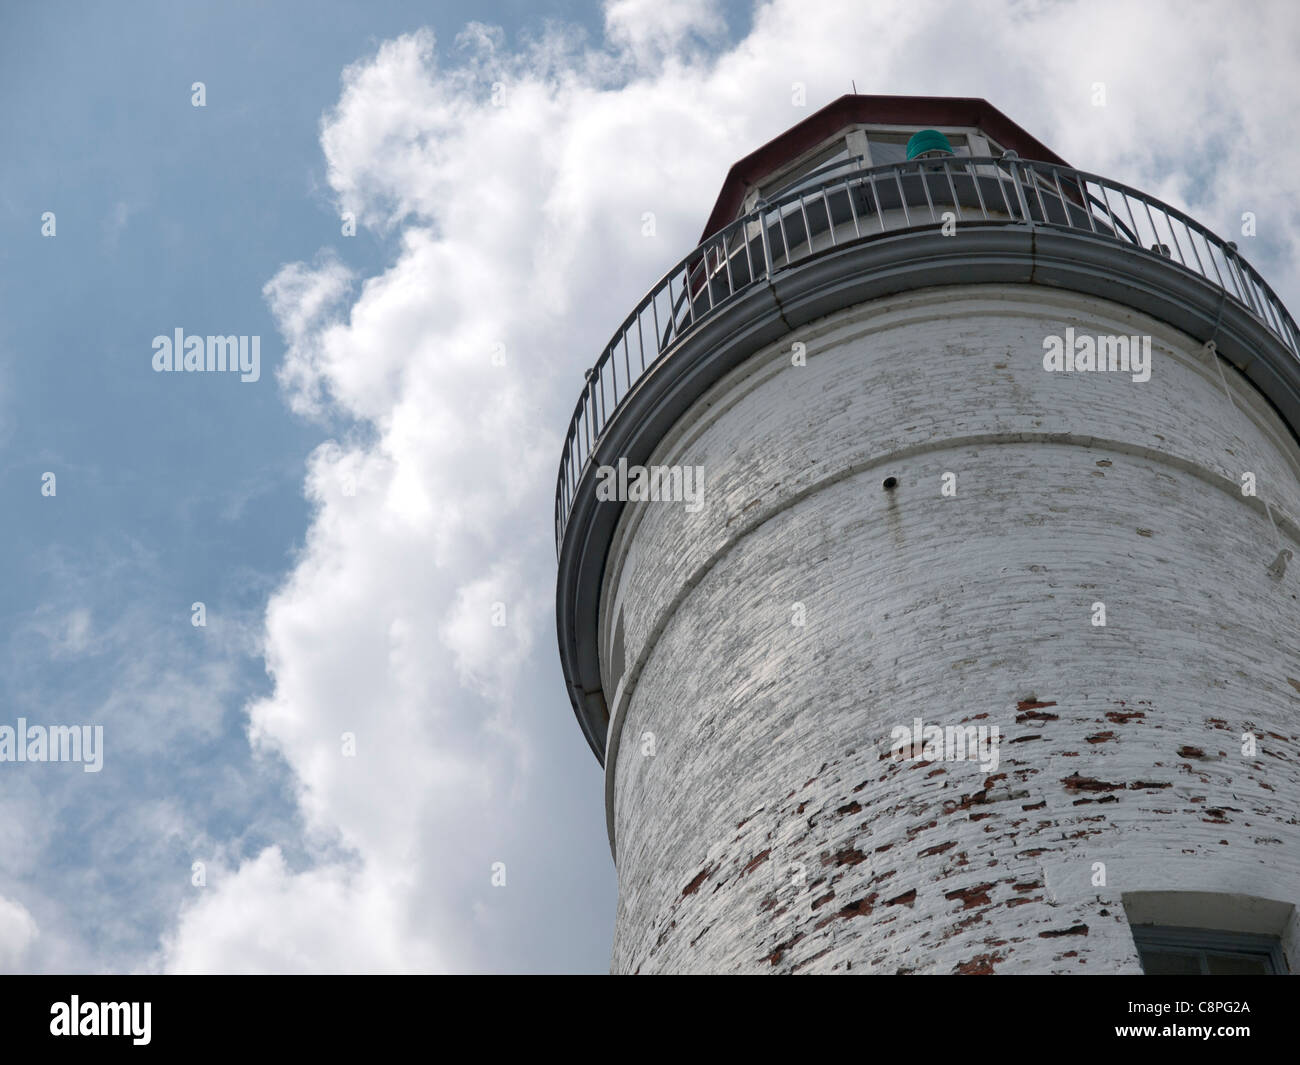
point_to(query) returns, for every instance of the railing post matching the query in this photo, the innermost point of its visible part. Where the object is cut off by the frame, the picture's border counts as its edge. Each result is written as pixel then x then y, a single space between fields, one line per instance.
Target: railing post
pixel 1239 277
pixel 767 248
pixel 1020 191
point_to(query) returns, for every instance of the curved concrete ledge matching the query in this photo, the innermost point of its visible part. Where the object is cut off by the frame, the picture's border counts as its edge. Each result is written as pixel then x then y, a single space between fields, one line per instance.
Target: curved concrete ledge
pixel 853 274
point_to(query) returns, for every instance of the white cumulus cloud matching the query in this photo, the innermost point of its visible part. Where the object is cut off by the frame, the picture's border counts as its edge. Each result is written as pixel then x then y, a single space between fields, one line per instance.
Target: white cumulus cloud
pixel 17 932
pixel 516 180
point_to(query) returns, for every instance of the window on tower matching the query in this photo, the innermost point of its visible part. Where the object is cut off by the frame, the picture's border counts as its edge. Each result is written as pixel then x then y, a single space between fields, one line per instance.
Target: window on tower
pixel 1167 951
pixel 1212 934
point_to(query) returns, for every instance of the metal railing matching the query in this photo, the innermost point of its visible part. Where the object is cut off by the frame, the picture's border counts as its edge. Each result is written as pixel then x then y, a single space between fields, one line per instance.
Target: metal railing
pixel 882 200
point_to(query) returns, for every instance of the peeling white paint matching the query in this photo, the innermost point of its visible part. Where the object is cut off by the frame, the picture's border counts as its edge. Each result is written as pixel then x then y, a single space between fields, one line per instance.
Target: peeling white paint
pixel 772 739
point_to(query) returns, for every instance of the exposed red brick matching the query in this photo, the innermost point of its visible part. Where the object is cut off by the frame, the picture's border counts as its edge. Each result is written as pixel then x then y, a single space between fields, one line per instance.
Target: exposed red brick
pixel 694 885
pixel 972 896
pixel 861 908
pixel 776 955
pixel 980 965
pixel 808 961
pixel 1075 782
pixel 966 802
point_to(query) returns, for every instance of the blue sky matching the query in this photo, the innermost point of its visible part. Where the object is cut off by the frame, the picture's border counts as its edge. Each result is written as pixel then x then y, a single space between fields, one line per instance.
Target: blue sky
pixel 171 488
pixel 479 224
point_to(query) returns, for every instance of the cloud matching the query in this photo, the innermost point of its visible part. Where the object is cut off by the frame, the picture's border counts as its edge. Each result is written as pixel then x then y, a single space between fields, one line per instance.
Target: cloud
pixel 517 182
pixel 102 859
pixel 324 920
pixel 17 932
pixel 301 298
pixel 654 31
pixel 68 633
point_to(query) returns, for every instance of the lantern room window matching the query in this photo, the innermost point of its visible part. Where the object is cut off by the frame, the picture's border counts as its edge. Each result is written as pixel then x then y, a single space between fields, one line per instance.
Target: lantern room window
pixel 811 171
pixel 889 148
pixel 856 148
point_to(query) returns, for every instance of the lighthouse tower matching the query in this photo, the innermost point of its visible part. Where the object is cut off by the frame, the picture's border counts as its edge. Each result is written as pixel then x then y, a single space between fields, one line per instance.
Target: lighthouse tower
pixel 927 581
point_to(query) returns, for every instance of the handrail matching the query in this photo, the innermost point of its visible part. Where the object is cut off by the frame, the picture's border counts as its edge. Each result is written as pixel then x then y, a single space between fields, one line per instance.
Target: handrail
pixel 877 201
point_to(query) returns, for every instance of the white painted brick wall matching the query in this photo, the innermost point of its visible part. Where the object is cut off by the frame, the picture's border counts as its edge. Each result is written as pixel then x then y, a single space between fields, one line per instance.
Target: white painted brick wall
pixel 770 831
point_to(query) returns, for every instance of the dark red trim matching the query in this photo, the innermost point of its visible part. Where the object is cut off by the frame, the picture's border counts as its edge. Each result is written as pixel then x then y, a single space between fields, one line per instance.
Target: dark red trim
pixel 919 111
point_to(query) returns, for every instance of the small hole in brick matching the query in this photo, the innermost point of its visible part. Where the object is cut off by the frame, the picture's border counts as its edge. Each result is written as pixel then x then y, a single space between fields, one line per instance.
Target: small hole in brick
pixel 889 483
